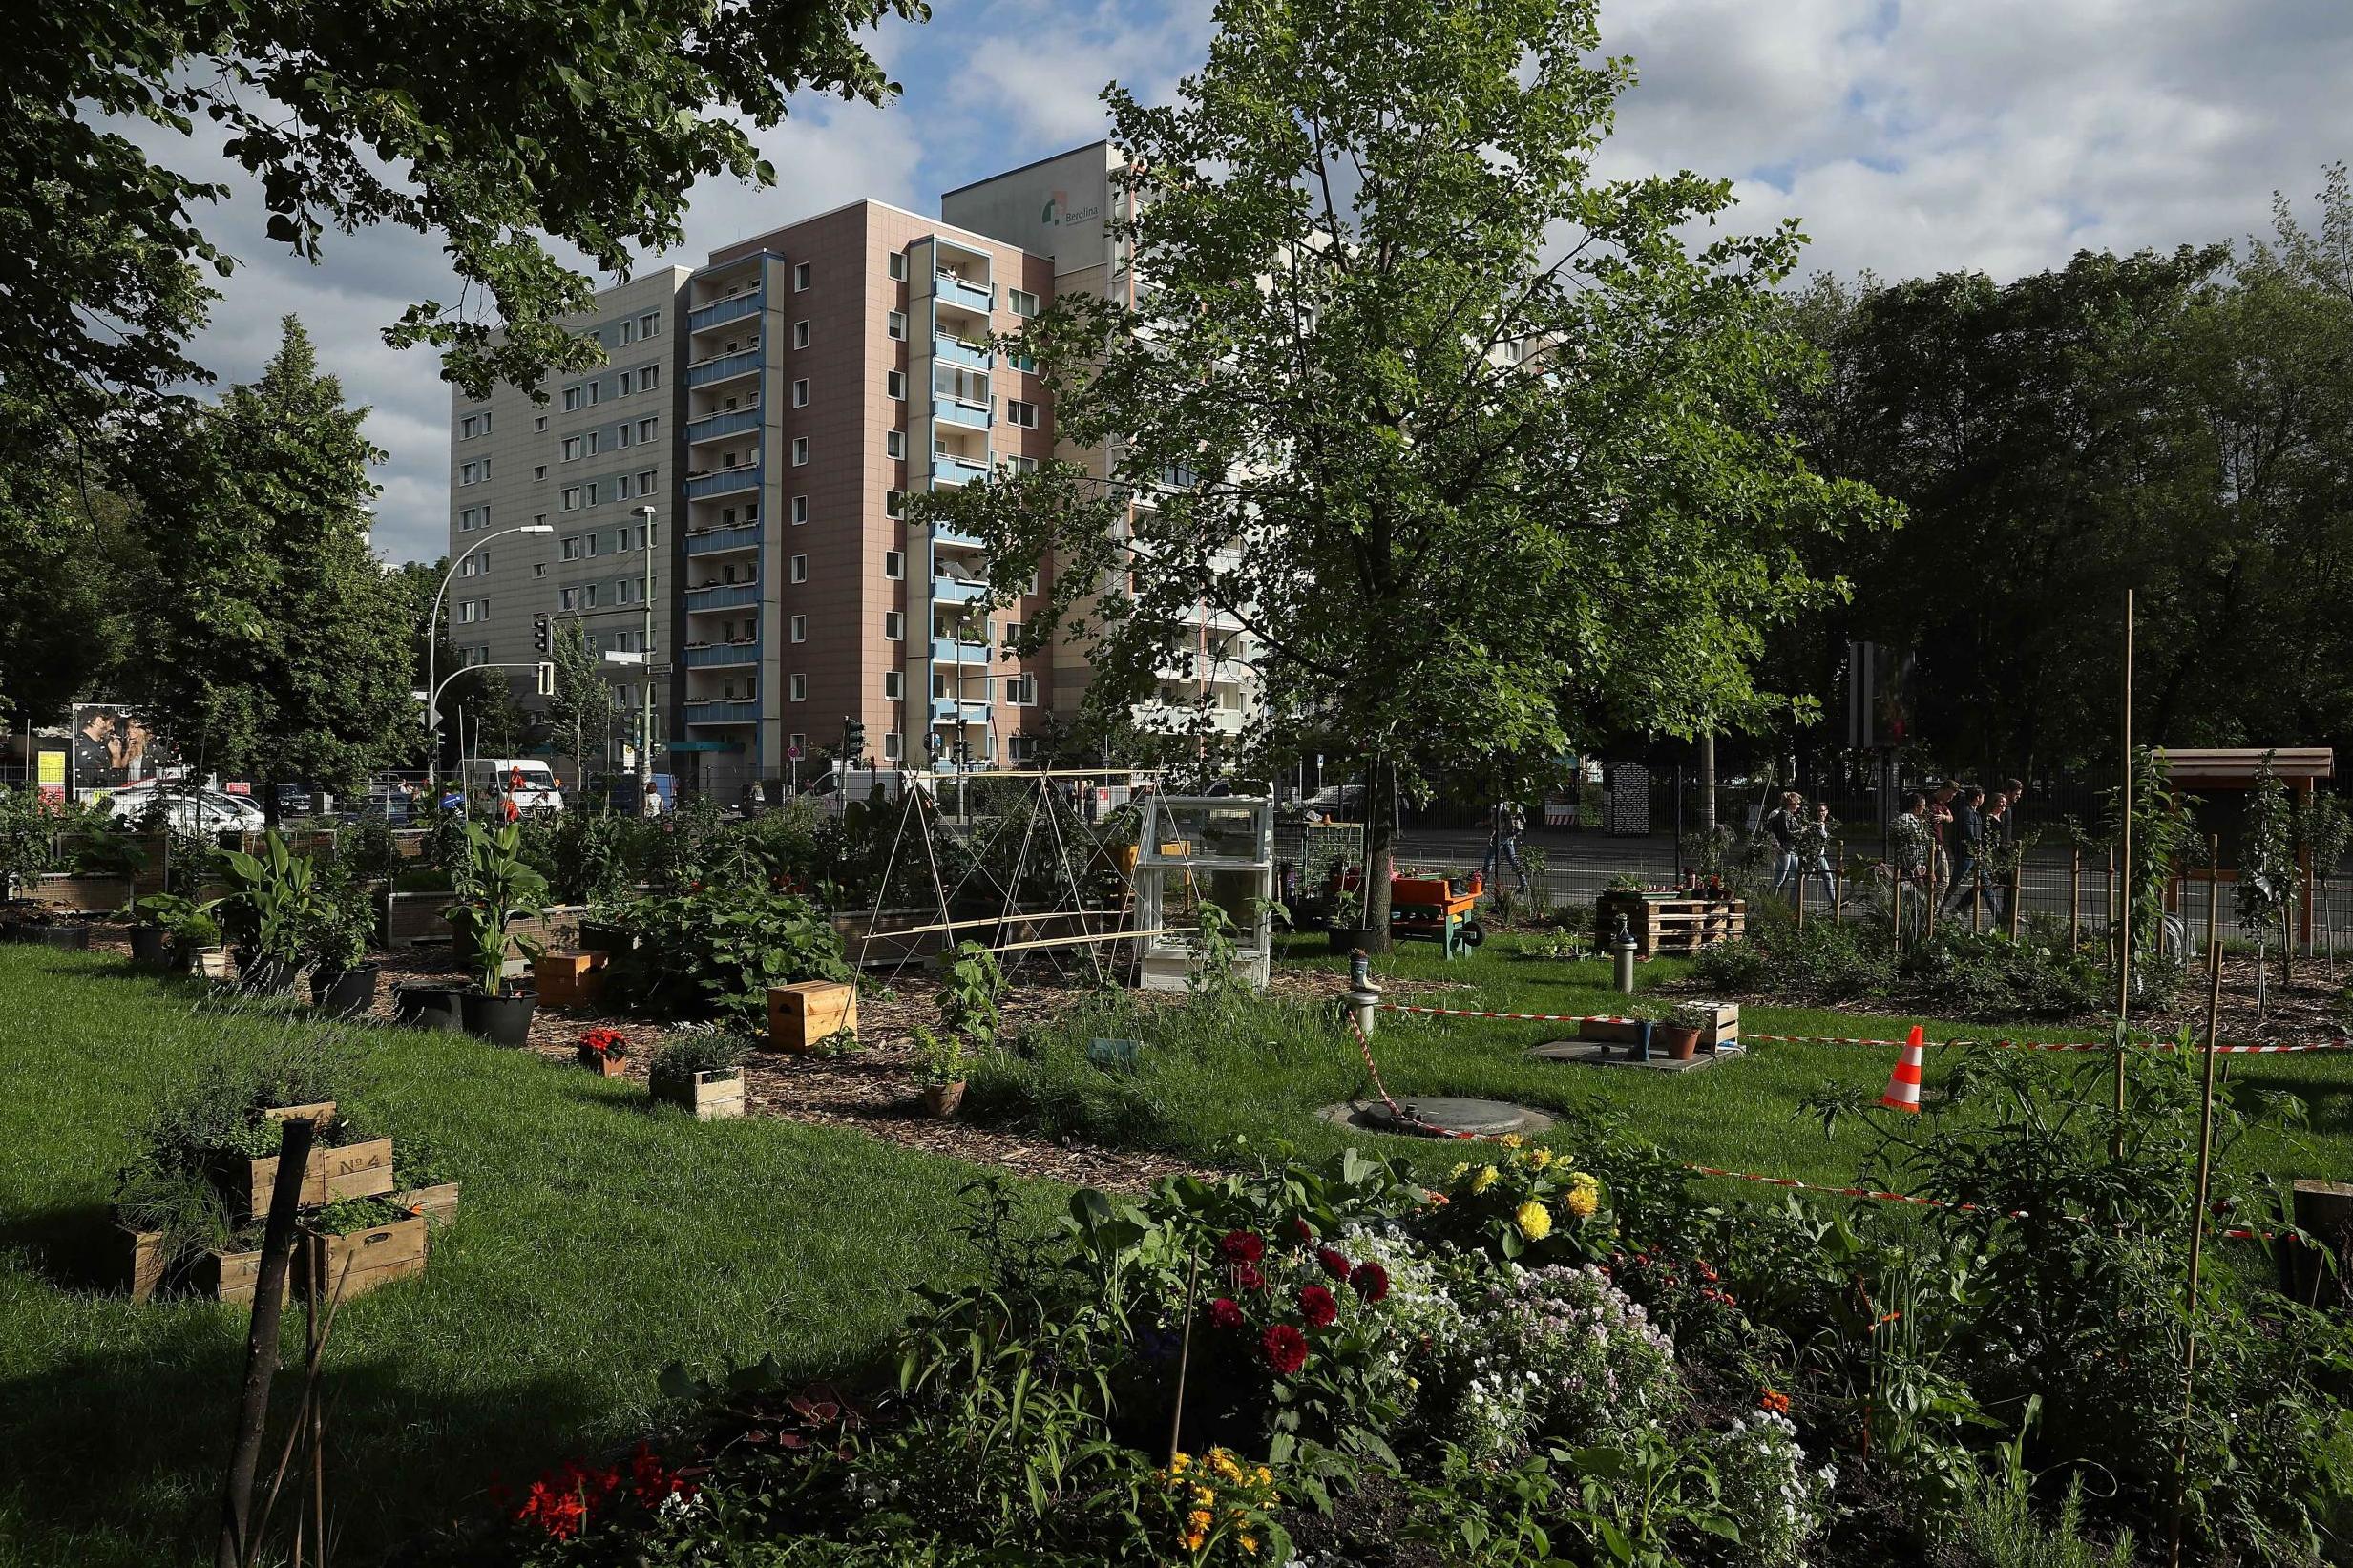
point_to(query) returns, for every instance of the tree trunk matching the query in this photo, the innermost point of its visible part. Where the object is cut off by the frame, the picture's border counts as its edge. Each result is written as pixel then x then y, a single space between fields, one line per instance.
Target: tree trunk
pixel 1706 786
pixel 1381 841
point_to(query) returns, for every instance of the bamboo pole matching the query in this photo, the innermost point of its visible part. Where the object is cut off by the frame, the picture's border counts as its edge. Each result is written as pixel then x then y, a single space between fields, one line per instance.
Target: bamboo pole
pixel 1976 903
pixel 2205 1170
pixel 1894 907
pixel 2074 898
pixel 1802 875
pixel 2124 928
pixel 2018 883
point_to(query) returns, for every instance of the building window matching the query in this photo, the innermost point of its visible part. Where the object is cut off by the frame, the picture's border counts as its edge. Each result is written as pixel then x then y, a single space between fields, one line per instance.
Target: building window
pixel 898 265
pixel 1024 414
pixel 1020 304
pixel 470 518
pixel 567 599
pixel 797 569
pixel 538 421
pixel 800 393
pixel 649 324
pixel 538 472
pixel 1022 748
pixel 572 449
pixel 588 596
pixel 620 488
pixel 645 482
pixel 800 276
pixel 1021 465
pixel 799 629
pixel 572 497
pixel 590 539
pixel 893 626
pixel 475 472
pixel 1021 691
pixel 894 503
pixel 647 428
pixel 895 384
pixel 626 378
pixel 628 590
pixel 894 443
pixel 625 434
pixel 800 510
pixel 889 745
pixel 800 688
pixel 800 334
pixel 893 564
pixel 649 377
pixel 800 451
pixel 628 333
pixel 588 494
pixel 475 565
pixel 572 400
pixel 538 569
pixel 895 324
pixel 1013 634
pixel 471 611
pixel 474 425
pixel 892 684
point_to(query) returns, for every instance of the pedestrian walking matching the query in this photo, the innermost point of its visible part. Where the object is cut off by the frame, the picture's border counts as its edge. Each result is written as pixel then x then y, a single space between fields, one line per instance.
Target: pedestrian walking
pixel 1964 838
pixel 1783 825
pixel 1913 837
pixel 1505 822
pixel 1814 848
pixel 652 804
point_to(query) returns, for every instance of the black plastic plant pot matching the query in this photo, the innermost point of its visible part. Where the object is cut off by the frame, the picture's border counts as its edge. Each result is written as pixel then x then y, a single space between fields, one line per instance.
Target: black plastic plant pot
pixel 429 1006
pixel 600 936
pixel 501 1021
pixel 269 976
pixel 1349 938
pixel 345 991
pixel 151 947
pixel 70 935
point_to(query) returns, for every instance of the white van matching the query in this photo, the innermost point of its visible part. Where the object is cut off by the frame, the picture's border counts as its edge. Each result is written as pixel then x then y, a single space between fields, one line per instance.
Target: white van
pixel 529 781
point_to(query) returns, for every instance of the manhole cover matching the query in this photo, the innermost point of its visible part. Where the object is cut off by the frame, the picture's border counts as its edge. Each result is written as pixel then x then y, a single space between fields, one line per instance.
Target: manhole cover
pixel 1418 1113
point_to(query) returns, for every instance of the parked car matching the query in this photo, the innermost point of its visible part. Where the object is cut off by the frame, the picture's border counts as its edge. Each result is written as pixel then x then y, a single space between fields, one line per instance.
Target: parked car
pixel 188 809
pixel 295 800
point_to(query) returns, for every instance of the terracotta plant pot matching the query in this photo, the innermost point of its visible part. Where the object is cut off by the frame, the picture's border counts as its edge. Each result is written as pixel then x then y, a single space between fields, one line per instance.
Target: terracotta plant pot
pixel 605 1064
pixel 941 1100
pixel 1680 1041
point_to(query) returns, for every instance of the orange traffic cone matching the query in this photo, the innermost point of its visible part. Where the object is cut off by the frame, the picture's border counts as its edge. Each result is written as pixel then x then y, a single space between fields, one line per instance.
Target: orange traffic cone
pixel 1903 1084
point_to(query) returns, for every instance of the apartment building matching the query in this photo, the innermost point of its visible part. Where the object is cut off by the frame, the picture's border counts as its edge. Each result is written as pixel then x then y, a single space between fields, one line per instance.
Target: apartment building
pixel 580 464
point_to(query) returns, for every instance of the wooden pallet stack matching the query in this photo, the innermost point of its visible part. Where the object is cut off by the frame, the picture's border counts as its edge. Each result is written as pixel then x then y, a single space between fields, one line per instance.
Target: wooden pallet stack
pixel 1670 922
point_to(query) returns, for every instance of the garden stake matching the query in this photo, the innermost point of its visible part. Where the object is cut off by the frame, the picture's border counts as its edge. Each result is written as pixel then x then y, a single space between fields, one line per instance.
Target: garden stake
pixel 2205 1168
pixel 2074 898
pixel 312 1393
pixel 1185 1356
pixel 285 1201
pixel 1977 903
pixel 2124 927
pixel 1895 908
pixel 2017 886
pixel 1838 886
pixel 1801 900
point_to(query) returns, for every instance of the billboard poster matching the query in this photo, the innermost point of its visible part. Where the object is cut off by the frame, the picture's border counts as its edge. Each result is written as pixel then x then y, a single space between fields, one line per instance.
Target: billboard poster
pixel 113 747
pixel 50 774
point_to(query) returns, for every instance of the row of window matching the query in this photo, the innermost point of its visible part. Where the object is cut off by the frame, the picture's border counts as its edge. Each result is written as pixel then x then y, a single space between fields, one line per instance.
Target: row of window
pixel 643 377
pixel 590 595
pixel 619 487
pixel 625 434
pixel 1021 690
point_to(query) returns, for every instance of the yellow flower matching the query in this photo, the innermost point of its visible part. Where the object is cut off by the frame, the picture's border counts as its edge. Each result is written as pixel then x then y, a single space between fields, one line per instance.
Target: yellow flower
pixel 1533 1220
pixel 1511 1141
pixel 1266 1476
pixel 1584 1196
pixel 1176 1465
pixel 1484 1180
pixel 1198 1518
pixel 1193 1542
pixel 1461 1169
pixel 1249 1543
pixel 1202 1496
pixel 1222 1463
pixel 1540 1158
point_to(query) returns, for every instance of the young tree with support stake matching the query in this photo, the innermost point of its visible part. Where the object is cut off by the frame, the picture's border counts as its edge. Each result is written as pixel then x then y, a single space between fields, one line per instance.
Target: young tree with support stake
pixel 1459 433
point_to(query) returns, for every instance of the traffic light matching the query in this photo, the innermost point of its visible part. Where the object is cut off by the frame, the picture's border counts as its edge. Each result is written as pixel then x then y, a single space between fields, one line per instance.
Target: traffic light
pixel 854 739
pixel 539 632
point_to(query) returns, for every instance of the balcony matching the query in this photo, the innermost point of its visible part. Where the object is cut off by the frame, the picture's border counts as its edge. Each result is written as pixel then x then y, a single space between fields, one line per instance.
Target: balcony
pixel 1185 719
pixel 730 422
pixel 725 482
pixel 956 538
pixel 720 311
pixel 949 710
pixel 715 710
pixel 971 416
pixel 724 541
pixel 947 650
pixel 954 589
pixel 949 350
pixel 710 372
pixel 948 469
pixel 724 595
pixel 956 290
pixel 721 655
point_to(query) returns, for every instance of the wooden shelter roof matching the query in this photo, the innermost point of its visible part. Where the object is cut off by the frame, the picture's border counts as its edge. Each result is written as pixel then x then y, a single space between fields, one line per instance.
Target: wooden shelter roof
pixel 2234 767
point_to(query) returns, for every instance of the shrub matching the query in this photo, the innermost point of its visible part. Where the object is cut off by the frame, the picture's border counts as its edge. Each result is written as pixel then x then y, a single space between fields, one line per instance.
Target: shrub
pixel 716 949
pixel 682 1055
pixel 1973 974
pixel 1556 1353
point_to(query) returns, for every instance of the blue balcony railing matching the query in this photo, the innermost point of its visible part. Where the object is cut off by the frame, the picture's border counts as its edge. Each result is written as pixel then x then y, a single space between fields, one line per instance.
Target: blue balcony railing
pixel 970 296
pixel 722 310
pixel 949 410
pixel 948 534
pixel 950 590
pixel 947 650
pixel 948 709
pixel 730 422
pixel 717 711
pixel 717 541
pixel 957 470
pixel 950 349
pixel 744 361
pixel 725 482
pixel 724 655
pixel 725 596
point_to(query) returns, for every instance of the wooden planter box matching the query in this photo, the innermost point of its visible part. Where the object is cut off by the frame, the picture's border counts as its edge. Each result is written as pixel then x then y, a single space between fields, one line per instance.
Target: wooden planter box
pixel 1668 921
pixel 712 1097
pixel 353 1170
pixel 359 1262
pixel 570 979
pixel 437 1203
pixel 802 1015
pixel 141 1261
pixel 1724 1031
pixel 237 1276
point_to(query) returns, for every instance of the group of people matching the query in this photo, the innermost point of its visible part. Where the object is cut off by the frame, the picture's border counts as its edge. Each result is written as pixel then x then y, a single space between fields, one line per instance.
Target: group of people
pixel 1955 838
pixel 1801 839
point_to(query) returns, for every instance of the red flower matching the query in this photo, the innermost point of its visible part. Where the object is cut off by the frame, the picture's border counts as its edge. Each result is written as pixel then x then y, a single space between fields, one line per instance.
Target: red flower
pixel 1316 1305
pixel 1371 1281
pixel 1303 1231
pixel 1285 1349
pixel 1225 1313
pixel 1773 1400
pixel 1333 1263
pixel 1242 1246
pixel 1245 1276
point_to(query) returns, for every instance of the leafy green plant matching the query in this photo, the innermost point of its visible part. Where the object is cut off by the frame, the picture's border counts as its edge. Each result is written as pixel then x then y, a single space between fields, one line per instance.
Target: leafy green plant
pixel 969 996
pixel 717 948
pixel 504 888
pixel 350 1215
pixel 2268 875
pixel 944 1061
pixel 28 835
pixel 272 902
pixel 694 1051
pixel 343 921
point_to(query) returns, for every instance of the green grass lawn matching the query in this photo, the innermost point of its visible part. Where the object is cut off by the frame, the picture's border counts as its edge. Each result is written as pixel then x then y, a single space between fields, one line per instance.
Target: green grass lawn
pixel 597 1241
pixel 1195 1091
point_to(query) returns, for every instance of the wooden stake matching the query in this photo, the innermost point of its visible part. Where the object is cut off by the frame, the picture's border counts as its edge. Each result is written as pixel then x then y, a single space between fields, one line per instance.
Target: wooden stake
pixel 2018 881
pixel 2205 1169
pixel 2124 929
pixel 286 1202
pixel 2075 899
pixel 1895 907
pixel 1185 1356
pixel 1802 875
pixel 1976 903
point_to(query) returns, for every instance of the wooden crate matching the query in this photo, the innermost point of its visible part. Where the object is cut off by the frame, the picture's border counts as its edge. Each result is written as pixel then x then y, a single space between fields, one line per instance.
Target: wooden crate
pixel 353 1170
pixel 712 1097
pixel 141 1255
pixel 237 1276
pixel 1668 921
pixel 359 1262
pixel 570 979
pixel 802 1015
pixel 438 1203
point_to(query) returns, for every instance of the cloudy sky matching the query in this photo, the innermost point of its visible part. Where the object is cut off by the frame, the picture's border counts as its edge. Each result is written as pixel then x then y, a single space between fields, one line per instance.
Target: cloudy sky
pixel 1908 135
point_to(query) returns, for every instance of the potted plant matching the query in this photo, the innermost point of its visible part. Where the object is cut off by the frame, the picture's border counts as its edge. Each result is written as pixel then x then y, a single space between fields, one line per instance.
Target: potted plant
pixel 272 903
pixel 701 1071
pixel 1347 930
pixel 341 928
pixel 941 1075
pixel 157 923
pixel 503 891
pixel 603 1051
pixel 429 1004
pixel 1678 1032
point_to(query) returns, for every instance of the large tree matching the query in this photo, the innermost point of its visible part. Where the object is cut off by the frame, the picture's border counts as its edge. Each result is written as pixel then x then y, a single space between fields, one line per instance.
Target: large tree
pixel 581 706
pixel 275 644
pixel 1463 435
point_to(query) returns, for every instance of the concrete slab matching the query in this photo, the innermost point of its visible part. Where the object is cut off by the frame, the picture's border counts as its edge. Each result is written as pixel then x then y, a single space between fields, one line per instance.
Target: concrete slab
pixel 1613 1054
pixel 1482 1118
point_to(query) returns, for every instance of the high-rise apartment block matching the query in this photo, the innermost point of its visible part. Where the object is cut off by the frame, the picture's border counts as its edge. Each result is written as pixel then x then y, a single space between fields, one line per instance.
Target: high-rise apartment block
pixel 775 408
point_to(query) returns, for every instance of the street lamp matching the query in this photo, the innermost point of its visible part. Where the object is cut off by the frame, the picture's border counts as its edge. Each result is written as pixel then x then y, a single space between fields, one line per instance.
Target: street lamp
pixel 645 713
pixel 433 645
